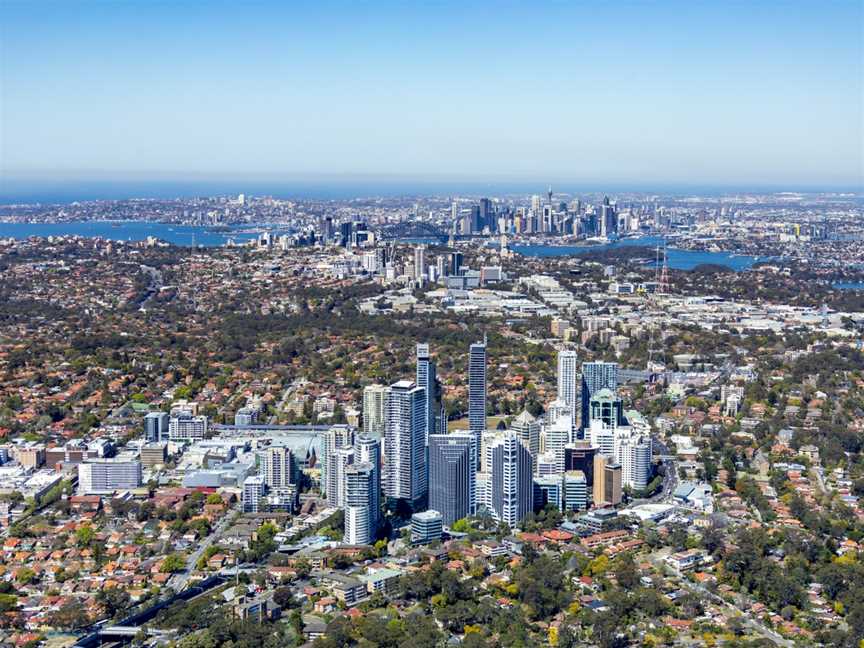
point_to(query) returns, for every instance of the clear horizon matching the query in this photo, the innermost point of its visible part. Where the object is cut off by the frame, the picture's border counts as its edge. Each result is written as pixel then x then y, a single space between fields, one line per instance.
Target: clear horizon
pixel 674 95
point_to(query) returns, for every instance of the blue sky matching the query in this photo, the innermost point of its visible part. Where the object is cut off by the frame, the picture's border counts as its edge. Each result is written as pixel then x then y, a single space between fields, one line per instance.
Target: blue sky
pixel 674 92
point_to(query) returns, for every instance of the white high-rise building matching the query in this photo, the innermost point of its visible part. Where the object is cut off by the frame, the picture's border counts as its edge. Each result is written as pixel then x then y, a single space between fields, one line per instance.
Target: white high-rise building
pixel 368 450
pixel 339 461
pixel 634 455
pixel 374 410
pixel 558 411
pixel 254 489
pixel 337 436
pixel 185 426
pixel 547 465
pixel 511 484
pixel 557 435
pixel 568 381
pixel 405 442
pixel 528 429
pixel 360 524
pixel 278 471
pixel 105 476
pixel 602 437
pixel 420 263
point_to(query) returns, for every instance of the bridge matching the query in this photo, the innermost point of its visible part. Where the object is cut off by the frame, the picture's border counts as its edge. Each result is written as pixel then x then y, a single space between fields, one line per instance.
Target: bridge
pixel 126 630
pixel 412 230
pixel 129 631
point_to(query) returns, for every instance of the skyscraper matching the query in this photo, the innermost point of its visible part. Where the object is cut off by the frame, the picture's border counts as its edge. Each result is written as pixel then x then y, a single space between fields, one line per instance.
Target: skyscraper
pixel 360 520
pixel 528 429
pixel 477 388
pixel 335 437
pixel 368 450
pixel 405 443
pixel 253 490
pixel 596 376
pixel 374 410
pixel 455 264
pixel 512 486
pixel 420 264
pixel 278 471
pixel 339 461
pixel 607 481
pixel 427 378
pixel 634 453
pixel 568 380
pixel 451 475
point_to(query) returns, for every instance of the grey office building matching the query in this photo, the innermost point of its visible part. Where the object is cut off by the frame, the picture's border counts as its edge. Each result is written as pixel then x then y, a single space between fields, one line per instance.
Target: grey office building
pixel 477 388
pixel 156 427
pixel 427 378
pixel 451 471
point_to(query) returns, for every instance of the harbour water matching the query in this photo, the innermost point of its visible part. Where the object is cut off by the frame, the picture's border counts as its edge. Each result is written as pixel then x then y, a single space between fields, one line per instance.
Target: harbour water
pixel 849 285
pixel 128 231
pixel 208 237
pixel 678 259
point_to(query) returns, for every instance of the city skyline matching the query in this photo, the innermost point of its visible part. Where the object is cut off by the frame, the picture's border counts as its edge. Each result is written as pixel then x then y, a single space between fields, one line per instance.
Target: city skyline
pixel 767 95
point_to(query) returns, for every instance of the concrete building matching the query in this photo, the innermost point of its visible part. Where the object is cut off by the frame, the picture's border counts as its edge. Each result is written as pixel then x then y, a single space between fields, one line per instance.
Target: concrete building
pixel 568 381
pixel 278 467
pixel 367 449
pixel 154 454
pixel 336 436
pixel 527 428
pixel 607 487
pixel 254 490
pixel 405 443
pixel 575 491
pixel 105 476
pixel 375 410
pixel 185 426
pixel 426 527
pixel 360 521
pixel 511 487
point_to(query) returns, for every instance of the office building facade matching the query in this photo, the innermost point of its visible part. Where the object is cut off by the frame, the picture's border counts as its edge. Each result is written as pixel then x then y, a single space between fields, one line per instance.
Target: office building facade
pixel 477 388
pixel 596 376
pixel 451 475
pixel 156 427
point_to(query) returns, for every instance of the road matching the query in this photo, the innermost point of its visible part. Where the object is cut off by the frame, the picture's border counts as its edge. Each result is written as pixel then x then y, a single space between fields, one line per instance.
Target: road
pixel 179 580
pixel 741 613
pixel 286 396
